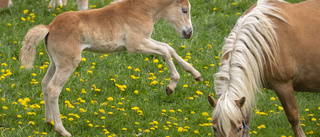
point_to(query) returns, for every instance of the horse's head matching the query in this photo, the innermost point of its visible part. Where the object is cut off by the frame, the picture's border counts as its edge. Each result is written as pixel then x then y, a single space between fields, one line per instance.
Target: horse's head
pixel 178 14
pixel 230 123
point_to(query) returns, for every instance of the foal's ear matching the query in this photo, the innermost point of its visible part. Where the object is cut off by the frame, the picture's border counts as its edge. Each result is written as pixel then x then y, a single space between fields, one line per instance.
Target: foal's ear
pixel 212 101
pixel 240 102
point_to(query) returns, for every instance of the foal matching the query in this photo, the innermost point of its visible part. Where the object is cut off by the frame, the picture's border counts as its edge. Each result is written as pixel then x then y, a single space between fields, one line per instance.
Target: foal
pixel 82 4
pixel 274 45
pixel 123 25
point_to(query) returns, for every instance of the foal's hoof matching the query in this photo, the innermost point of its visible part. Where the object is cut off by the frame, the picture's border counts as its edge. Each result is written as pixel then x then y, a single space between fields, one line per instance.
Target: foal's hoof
pixel 64 133
pixel 199 78
pixel 169 91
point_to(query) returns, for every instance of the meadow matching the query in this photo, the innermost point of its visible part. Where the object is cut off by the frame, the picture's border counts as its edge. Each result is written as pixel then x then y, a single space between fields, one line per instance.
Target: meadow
pixel 123 94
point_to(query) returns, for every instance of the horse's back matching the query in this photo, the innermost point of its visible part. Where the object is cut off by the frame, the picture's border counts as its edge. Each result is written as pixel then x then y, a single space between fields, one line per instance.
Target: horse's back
pixel 299 44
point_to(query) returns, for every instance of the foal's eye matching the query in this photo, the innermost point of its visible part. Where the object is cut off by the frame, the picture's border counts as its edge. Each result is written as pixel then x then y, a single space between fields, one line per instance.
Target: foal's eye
pixel 239 129
pixel 184 10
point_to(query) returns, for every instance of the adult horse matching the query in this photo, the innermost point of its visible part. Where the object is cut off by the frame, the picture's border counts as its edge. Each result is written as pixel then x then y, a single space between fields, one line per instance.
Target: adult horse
pixel 120 26
pixel 275 45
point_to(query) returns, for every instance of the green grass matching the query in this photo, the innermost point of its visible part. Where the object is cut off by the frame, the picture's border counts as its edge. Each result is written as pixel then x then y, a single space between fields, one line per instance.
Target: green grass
pixel 162 115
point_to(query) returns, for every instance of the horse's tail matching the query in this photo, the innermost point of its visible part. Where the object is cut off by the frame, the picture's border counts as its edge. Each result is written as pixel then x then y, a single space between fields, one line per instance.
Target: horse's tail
pixel 31 40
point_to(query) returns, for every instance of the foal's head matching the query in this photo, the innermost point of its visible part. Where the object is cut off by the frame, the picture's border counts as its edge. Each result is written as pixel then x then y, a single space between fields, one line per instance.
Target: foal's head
pixel 227 122
pixel 178 14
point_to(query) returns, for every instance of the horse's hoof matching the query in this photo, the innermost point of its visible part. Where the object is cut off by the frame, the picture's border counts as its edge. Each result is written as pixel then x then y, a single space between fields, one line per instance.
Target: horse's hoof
pixel 64 133
pixel 199 78
pixel 169 91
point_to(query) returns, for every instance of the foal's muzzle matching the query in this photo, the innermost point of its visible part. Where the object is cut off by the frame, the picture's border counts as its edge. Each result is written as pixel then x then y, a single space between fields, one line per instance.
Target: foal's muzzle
pixel 186 33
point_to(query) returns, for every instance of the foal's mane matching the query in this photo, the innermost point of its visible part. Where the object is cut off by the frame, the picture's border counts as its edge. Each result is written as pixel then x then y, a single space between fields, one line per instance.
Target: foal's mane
pixel 250 45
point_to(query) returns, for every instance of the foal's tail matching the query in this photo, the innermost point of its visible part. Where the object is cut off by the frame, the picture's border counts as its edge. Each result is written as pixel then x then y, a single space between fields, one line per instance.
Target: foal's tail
pixel 31 40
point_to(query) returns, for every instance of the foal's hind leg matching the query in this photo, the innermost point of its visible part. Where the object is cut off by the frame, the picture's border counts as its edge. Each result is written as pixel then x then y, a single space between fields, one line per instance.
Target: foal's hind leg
pixel 52 5
pixel 45 81
pixel 285 92
pixel 185 65
pixel 64 2
pixel 65 65
pixel 82 4
pixel 148 47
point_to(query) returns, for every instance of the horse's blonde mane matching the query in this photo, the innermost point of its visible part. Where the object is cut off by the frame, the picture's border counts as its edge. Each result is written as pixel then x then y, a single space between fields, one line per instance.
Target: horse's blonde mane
pixel 250 45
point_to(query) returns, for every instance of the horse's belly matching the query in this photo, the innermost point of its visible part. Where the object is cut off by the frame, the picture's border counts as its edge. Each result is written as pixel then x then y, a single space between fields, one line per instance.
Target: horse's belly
pixel 104 47
pixel 307 81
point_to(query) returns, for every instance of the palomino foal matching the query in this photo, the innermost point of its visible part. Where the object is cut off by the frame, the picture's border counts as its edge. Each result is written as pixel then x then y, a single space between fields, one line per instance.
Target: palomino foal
pixel 82 4
pixel 274 45
pixel 123 25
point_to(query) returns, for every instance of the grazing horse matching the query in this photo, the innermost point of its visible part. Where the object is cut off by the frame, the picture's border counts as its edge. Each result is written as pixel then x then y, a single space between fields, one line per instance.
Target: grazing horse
pixel 120 26
pixel 82 4
pixel 275 45
pixel 5 3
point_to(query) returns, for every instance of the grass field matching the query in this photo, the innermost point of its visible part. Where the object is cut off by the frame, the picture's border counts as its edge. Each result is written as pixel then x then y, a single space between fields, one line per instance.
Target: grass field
pixel 123 94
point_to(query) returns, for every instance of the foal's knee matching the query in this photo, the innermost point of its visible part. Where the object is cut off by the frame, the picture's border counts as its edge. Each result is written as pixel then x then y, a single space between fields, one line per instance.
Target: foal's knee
pixel 53 92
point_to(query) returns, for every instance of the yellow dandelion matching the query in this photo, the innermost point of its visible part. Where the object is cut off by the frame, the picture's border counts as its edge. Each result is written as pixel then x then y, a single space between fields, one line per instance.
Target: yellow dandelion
pixel 205 114
pixel 70 119
pixel 280 108
pixel 25 11
pixel 155 61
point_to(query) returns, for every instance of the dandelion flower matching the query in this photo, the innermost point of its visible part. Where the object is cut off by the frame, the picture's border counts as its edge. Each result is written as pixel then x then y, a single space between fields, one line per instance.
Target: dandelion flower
pixel 25 11
pixel 155 61
pixel 110 99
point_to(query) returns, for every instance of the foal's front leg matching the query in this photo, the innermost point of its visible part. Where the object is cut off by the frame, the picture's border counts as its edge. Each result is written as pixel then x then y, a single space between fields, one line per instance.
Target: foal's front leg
pixel 184 64
pixel 147 46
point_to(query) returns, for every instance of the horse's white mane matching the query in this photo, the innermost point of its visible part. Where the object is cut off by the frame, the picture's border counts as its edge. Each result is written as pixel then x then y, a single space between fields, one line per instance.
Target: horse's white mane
pixel 251 43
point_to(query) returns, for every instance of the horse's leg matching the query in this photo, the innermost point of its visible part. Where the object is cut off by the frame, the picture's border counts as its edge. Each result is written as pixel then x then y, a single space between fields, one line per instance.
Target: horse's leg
pixel 185 65
pixel 285 92
pixel 82 4
pixel 148 47
pixel 66 61
pixel 52 5
pixel 64 2
pixel 45 81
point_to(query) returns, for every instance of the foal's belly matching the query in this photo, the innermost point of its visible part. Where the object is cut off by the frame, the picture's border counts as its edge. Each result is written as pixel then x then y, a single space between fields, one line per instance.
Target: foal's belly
pixel 104 47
